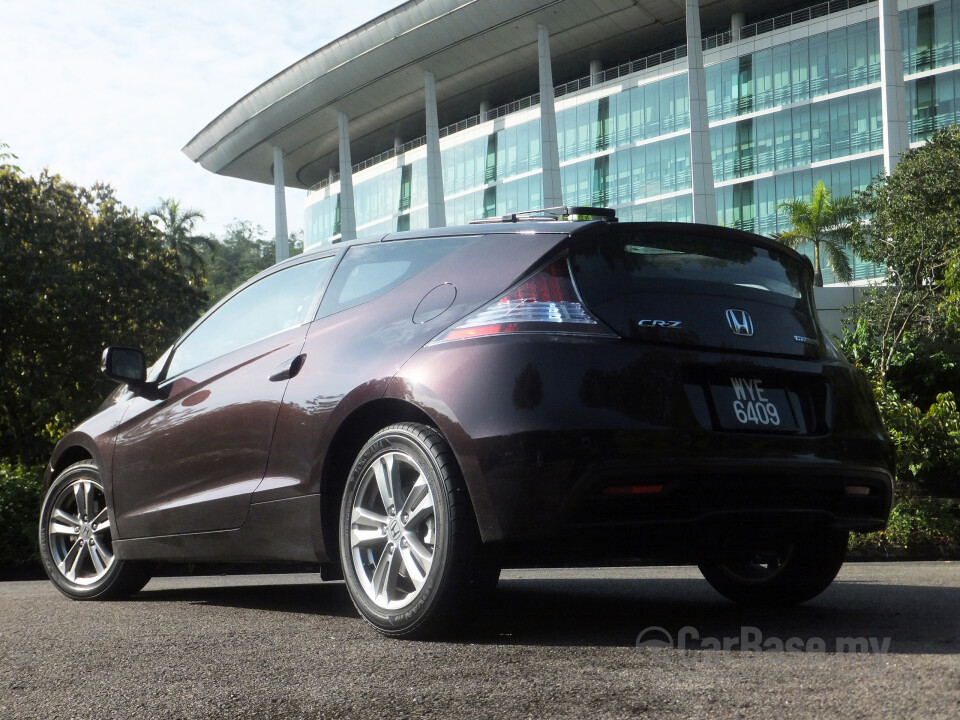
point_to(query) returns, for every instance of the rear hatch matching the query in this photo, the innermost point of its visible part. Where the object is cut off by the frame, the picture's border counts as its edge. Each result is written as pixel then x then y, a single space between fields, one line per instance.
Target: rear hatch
pixel 700 286
pixel 717 290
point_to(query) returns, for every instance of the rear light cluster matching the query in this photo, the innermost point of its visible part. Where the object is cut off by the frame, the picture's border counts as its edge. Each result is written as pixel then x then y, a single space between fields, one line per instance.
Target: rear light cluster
pixel 545 302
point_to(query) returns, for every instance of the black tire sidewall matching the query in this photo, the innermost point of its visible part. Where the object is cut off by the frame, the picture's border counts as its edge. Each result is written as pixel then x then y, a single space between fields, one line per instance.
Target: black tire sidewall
pixel 408 620
pixel 812 566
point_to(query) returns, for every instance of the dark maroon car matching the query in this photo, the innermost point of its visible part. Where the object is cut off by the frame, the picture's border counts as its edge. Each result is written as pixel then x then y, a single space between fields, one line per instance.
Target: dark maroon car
pixel 414 412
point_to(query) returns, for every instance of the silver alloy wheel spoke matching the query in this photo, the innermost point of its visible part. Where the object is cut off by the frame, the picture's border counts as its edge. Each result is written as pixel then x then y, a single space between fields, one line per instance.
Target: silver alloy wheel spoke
pixel 98 555
pixel 80 498
pixel 416 574
pixel 68 566
pixel 384 578
pixel 387 472
pixel 418 503
pixel 367 527
pixel 392 553
pixel 416 561
pixel 64 524
pixel 102 521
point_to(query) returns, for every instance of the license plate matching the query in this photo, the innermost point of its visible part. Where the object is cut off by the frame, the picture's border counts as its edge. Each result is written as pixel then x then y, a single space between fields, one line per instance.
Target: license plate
pixel 751 404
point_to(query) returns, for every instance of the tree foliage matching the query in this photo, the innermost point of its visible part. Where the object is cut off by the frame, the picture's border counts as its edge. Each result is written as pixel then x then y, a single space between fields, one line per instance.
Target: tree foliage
pixel 824 221
pixel 5 157
pixel 78 271
pixel 21 493
pixel 906 334
pixel 241 253
pixel 918 527
pixel 176 224
pixel 913 231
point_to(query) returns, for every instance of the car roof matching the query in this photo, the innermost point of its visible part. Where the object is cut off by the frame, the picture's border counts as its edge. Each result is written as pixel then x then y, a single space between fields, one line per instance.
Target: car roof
pixel 569 227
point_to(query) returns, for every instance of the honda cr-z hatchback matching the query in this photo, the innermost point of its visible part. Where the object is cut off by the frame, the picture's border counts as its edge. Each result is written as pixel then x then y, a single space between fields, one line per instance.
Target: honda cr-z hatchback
pixel 417 411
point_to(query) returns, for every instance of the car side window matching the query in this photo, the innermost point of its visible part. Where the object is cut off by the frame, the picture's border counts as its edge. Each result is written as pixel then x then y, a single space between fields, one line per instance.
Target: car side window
pixel 279 301
pixel 368 271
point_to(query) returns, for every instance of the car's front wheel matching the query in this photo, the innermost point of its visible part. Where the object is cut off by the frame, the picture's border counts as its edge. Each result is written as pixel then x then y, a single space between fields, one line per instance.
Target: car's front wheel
pixel 75 542
pixel 408 538
pixel 776 572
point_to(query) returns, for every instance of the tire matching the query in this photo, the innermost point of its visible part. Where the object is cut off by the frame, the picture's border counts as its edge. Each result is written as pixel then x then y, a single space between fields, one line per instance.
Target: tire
pixel 409 544
pixel 776 573
pixel 75 542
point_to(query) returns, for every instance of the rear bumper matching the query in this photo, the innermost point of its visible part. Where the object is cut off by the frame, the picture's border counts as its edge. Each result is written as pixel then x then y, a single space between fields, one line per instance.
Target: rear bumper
pixel 543 487
pixel 561 441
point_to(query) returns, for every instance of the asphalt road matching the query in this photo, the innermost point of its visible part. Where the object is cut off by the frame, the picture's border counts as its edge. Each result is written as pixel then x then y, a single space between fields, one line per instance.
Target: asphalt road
pixel 553 644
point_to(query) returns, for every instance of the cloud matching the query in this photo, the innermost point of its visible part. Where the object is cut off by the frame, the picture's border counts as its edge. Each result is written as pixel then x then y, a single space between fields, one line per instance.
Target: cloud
pixel 111 91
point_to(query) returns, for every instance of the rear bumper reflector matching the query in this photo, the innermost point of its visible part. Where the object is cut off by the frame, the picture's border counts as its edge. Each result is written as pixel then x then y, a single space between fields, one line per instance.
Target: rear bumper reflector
pixel 632 489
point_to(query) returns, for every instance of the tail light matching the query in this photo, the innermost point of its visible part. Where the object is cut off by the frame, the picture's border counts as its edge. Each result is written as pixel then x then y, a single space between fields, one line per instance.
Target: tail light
pixel 545 302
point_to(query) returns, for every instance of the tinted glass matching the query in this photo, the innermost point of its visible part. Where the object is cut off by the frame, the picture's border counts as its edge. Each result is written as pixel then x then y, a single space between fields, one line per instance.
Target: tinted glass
pixel 626 263
pixel 277 302
pixel 368 271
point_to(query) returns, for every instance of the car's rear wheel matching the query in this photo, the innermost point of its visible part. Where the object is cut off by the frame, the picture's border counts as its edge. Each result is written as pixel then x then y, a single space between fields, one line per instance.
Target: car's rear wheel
pixel 408 538
pixel 776 572
pixel 75 542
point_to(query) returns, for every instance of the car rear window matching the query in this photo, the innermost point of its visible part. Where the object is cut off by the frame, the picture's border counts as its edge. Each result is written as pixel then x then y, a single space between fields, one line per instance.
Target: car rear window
pixel 627 262
pixel 368 271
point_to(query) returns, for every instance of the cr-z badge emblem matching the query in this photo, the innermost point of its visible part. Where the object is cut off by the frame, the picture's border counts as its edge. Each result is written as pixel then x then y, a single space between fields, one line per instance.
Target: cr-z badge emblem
pixel 740 322
pixel 660 323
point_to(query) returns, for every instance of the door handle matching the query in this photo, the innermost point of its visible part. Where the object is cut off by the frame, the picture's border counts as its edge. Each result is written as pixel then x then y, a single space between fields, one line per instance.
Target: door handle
pixel 287 369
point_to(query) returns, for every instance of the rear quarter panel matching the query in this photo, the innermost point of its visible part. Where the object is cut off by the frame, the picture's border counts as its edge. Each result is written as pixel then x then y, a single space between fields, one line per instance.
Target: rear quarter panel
pixel 352 356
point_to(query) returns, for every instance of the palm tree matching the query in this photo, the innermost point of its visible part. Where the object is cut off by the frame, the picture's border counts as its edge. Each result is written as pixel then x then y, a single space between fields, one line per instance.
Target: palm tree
pixel 4 156
pixel 176 224
pixel 824 221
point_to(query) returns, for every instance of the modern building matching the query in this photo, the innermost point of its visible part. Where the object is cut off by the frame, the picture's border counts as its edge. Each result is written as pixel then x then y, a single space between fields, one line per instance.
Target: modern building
pixel 442 111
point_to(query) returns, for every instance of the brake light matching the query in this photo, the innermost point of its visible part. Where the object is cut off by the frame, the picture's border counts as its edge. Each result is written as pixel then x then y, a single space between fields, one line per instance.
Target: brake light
pixel 545 302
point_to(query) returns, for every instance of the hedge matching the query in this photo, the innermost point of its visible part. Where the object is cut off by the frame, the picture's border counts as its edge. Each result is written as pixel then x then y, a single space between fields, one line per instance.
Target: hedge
pixel 918 527
pixel 21 494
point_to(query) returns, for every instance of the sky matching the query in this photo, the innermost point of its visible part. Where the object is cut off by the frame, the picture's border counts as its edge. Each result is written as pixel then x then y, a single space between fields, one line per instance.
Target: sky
pixel 112 90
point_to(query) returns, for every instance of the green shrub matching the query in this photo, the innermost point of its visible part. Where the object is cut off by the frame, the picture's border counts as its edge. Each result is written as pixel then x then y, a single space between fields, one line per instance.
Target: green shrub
pixel 923 527
pixel 928 443
pixel 21 489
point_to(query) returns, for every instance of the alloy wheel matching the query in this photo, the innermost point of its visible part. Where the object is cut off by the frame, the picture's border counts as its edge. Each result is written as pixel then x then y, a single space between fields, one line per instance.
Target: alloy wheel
pixel 393 530
pixel 78 532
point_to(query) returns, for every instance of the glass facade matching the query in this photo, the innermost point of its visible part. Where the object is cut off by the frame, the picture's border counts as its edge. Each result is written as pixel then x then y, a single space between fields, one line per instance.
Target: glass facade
pixel 931 36
pixel 933 104
pixel 781 118
pixel 801 70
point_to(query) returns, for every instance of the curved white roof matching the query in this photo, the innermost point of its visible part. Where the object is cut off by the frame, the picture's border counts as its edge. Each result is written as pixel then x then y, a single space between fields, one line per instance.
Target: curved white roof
pixel 478 50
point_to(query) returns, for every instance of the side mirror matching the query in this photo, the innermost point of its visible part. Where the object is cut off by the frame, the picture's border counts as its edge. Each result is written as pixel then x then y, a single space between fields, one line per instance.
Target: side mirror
pixel 128 366
pixel 124 365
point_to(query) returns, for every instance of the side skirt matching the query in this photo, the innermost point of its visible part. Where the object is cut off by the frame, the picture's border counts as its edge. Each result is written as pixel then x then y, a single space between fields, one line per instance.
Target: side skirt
pixel 278 531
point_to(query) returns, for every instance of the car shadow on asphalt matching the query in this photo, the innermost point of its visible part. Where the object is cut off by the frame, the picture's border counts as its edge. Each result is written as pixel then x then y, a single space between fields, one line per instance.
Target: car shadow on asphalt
pixel 634 612
pixel 308 598
pixel 683 612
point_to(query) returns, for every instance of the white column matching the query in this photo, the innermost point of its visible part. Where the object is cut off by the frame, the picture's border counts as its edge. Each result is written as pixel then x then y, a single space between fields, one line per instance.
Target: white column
pixel 892 94
pixel 348 217
pixel 281 238
pixel 436 210
pixel 549 148
pixel 596 72
pixel 701 165
pixel 736 25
